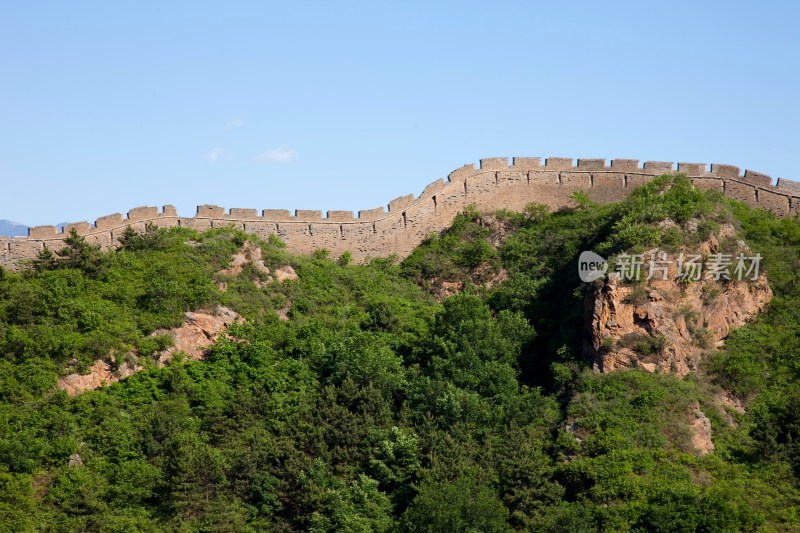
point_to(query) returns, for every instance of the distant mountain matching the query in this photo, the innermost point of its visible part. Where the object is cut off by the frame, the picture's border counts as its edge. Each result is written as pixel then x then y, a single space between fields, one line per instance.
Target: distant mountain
pixel 12 229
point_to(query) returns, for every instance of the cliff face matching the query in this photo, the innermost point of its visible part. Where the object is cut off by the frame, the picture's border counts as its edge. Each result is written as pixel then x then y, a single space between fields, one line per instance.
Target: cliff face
pixel 667 325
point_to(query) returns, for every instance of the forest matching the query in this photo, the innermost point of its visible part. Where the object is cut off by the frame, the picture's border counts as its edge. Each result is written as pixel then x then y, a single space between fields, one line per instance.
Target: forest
pixel 448 391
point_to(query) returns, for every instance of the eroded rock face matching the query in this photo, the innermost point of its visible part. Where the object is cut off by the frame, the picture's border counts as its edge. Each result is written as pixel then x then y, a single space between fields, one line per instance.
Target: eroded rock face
pixel 248 253
pixel 665 325
pixel 285 273
pixel 199 331
pixel 700 428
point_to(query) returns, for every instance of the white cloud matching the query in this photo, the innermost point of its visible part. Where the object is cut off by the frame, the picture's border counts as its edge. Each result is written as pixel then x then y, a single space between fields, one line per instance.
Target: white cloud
pixel 281 154
pixel 233 124
pixel 216 154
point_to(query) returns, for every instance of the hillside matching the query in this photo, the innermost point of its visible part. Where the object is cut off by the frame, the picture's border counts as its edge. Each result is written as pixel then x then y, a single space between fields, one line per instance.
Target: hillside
pixel 458 389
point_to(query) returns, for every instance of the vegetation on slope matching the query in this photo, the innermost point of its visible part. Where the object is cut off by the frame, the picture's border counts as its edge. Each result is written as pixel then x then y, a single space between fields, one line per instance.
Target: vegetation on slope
pixel 376 407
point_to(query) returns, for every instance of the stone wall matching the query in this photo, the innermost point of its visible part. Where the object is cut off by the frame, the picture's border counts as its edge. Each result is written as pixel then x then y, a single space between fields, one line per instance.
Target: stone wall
pixel 495 183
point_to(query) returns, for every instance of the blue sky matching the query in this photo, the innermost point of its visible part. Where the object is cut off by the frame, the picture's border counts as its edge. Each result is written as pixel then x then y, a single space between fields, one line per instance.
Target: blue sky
pixel 105 106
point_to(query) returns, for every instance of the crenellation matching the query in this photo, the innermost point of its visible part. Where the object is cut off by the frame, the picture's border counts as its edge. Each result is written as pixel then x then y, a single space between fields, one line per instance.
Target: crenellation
pixel 658 167
pixel 308 214
pixel 725 171
pixel 109 221
pixel 399 203
pixel 346 216
pixel 409 219
pixel 693 169
pixel 526 163
pixel 239 213
pixel 164 222
pixel 591 164
pixel 82 228
pixel 788 185
pixel 494 163
pixel 558 163
pixel 371 214
pixel 142 213
pixel 460 174
pixel 276 214
pixel 624 165
pixel 433 188
pixel 43 232
pixel 210 211
pixel 756 178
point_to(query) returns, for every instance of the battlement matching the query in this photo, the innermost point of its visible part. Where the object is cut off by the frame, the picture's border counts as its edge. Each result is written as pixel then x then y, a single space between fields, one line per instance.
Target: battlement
pixel 398 228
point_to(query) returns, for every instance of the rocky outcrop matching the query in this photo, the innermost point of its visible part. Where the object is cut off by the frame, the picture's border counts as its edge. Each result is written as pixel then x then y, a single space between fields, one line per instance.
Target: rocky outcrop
pixel 251 254
pixel 100 375
pixel 700 428
pixel 199 331
pixel 667 325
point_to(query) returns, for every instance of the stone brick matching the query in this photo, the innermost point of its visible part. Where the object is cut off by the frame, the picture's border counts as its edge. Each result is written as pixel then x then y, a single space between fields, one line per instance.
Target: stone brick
pixel 43 232
pixel 377 232
pixel 109 221
pixel 709 183
pixel 776 202
pixel 558 163
pixel 741 191
pixel 591 164
pixel 210 211
pixel 576 180
pixel 307 214
pixel 462 173
pixel 608 179
pixel 527 163
pixel 692 169
pixel 625 164
pixel 340 215
pixel 725 171
pixel 756 178
pixel 81 227
pixel 142 213
pixel 433 188
pixel 494 163
pixel 276 214
pixel 371 214
pixel 637 180
pixel 658 167
pixel 399 203
pixel 238 213
pixel 543 177
pixel 788 185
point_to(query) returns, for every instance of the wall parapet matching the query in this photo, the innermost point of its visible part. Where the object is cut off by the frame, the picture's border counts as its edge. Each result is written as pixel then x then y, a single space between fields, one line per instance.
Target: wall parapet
pixel 398 227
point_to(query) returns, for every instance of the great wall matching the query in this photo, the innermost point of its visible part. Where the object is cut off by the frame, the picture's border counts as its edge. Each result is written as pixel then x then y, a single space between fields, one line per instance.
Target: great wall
pixel 494 184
